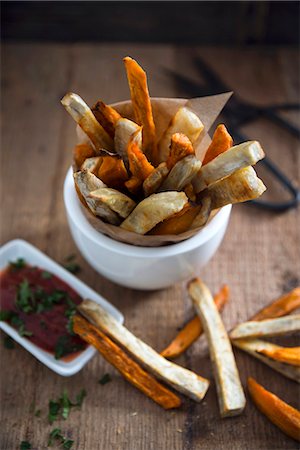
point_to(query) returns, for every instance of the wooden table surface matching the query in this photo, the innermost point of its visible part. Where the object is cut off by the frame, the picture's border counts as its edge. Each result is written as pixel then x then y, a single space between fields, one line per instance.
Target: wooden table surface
pixel 259 257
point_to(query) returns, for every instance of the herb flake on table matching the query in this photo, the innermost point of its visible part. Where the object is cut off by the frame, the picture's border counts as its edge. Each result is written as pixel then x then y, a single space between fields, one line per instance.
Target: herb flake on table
pixel 71 265
pixel 56 435
pixel 25 445
pixel 105 379
pixel 63 405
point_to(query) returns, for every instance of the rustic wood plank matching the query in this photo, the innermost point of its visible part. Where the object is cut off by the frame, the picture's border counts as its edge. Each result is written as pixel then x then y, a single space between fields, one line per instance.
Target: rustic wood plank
pixel 259 257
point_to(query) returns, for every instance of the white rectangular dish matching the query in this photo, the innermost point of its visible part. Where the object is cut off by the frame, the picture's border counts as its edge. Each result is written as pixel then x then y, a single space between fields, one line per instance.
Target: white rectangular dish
pixel 22 249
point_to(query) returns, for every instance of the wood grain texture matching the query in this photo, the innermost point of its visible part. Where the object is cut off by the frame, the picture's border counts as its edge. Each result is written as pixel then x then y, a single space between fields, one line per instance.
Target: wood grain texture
pixel 259 257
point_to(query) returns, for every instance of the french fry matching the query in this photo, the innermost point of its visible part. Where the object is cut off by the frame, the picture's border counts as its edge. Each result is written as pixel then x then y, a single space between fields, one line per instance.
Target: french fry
pixel 254 348
pixel 81 152
pixel 267 327
pixel 237 157
pixel 82 114
pixel 241 186
pixel 128 368
pixel 142 108
pixel 154 209
pixel 221 142
pixel 184 121
pixel 288 355
pixel 180 147
pixel 193 329
pixel 178 377
pixel 189 190
pixel 139 165
pixel 118 202
pixel 280 413
pixel 112 172
pixel 153 182
pixel 179 222
pixel 92 164
pixel 125 128
pixel 181 174
pixel 107 117
pixel 280 307
pixel 230 392
pixel 203 215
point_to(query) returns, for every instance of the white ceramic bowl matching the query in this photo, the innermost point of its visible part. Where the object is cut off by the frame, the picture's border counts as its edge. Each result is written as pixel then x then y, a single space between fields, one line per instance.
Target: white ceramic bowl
pixel 142 267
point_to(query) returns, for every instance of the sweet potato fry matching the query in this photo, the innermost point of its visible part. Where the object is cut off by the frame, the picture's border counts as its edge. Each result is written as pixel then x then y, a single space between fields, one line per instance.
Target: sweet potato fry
pixel 82 114
pixel 221 142
pixel 225 164
pixel 184 121
pixel 179 222
pixel 255 346
pixel 137 80
pixel 241 186
pixel 81 152
pixel 193 329
pixel 139 166
pixel 280 307
pixel 267 327
pixel 176 376
pixel 230 392
pixel 113 172
pixel 288 355
pixel 280 413
pixel 130 370
pixel 180 147
pixel 107 117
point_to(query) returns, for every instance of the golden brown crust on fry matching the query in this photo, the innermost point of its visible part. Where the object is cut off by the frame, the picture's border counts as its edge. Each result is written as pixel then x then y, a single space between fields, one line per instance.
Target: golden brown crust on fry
pixel 130 370
pixel 280 413
pixel 180 147
pixel 280 307
pixel 179 222
pixel 142 108
pixel 106 116
pixel 81 152
pixel 288 355
pixel 113 172
pixel 221 142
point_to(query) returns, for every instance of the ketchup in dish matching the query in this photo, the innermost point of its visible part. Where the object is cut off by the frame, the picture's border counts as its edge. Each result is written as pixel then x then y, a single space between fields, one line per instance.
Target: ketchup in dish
pixel 40 306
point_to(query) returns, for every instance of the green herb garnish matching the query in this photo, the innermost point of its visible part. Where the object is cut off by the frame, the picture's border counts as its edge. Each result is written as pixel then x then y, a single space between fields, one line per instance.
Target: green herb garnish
pixel 25 445
pixel 5 314
pixel 105 379
pixel 25 300
pixel 72 267
pixel 65 346
pixel 18 323
pixel 63 405
pixel 8 342
pixel 55 435
pixel 20 263
pixel 46 275
pixel 37 413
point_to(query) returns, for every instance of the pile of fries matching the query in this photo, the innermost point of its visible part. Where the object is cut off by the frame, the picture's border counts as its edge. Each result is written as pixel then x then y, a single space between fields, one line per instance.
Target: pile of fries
pixel 142 366
pixel 129 178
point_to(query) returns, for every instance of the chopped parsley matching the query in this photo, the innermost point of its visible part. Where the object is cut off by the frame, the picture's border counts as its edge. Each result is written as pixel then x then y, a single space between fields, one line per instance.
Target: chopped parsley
pixel 20 325
pixel 55 435
pixel 46 275
pixel 25 445
pixel 20 263
pixel 8 342
pixel 63 406
pixel 105 379
pixel 5 315
pixel 25 299
pixel 65 346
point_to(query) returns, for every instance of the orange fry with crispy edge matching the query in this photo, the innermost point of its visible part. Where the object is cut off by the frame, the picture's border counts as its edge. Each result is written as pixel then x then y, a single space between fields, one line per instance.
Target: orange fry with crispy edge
pixel 106 116
pixel 288 355
pixel 130 370
pixel 180 147
pixel 280 413
pixel 139 166
pixel 179 222
pixel 113 172
pixel 193 329
pixel 81 152
pixel 221 142
pixel 137 80
pixel 280 307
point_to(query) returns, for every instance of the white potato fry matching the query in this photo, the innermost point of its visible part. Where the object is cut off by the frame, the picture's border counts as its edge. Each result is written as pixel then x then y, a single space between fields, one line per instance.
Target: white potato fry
pixel 153 182
pixel 117 201
pixel 123 131
pixel 181 174
pixel 91 164
pixel 268 327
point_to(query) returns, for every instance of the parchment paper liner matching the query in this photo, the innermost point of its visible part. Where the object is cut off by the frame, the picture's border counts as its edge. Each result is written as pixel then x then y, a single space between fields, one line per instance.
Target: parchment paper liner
pixel 208 109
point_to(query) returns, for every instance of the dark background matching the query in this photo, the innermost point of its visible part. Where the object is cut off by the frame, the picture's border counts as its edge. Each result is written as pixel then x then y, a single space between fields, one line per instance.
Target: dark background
pixel 217 23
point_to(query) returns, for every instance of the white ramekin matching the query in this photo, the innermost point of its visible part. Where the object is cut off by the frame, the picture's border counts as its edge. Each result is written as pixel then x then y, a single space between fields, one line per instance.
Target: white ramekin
pixel 142 267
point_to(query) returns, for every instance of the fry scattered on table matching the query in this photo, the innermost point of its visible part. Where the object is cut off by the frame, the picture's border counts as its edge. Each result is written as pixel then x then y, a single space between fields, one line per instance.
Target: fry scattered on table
pixel 280 413
pixel 288 355
pixel 255 346
pixel 125 365
pixel 280 307
pixel 181 379
pixel 231 396
pixel 193 329
pixel 267 327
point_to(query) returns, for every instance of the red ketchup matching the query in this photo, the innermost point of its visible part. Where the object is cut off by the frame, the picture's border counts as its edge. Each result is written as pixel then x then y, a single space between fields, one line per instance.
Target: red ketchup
pixel 40 306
